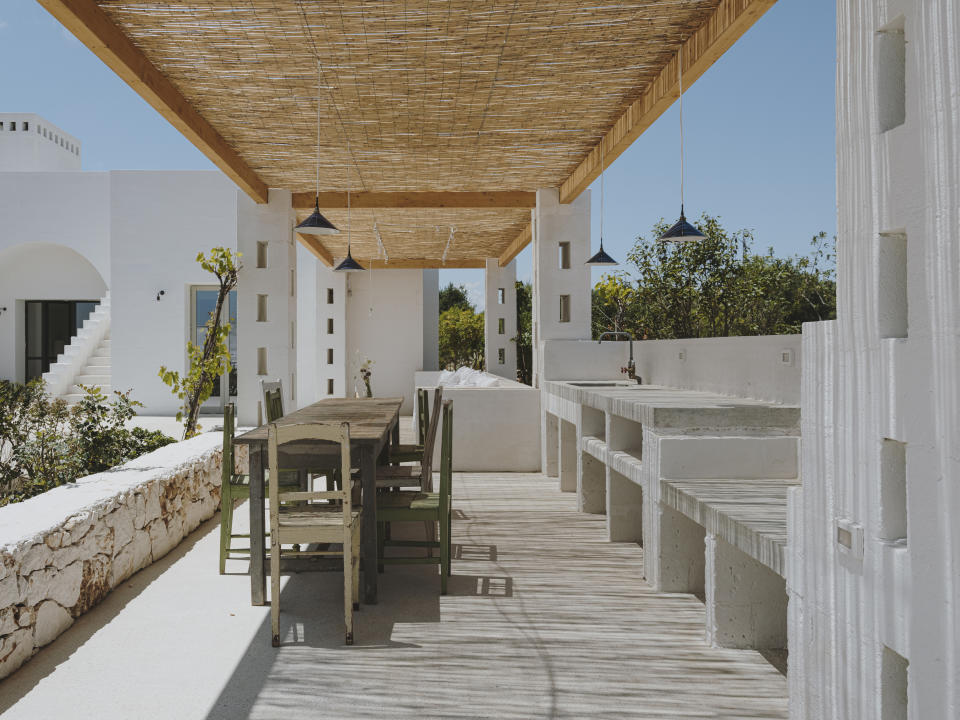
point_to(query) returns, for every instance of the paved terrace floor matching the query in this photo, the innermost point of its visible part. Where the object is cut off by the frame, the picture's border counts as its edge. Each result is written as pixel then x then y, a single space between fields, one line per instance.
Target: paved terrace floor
pixel 544 619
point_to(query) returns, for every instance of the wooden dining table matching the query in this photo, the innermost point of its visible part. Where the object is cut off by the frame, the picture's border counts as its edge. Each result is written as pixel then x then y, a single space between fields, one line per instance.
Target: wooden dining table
pixel 374 424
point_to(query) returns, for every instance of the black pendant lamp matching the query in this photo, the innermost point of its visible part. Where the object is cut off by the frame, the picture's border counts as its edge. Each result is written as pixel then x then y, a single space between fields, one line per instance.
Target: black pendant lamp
pixel 317 224
pixel 681 230
pixel 348 264
pixel 601 259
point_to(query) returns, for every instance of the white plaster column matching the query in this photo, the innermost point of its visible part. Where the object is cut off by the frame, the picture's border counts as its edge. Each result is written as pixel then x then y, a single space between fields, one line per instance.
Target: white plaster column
pixel 561 280
pixel 431 320
pixel 500 318
pixel 321 346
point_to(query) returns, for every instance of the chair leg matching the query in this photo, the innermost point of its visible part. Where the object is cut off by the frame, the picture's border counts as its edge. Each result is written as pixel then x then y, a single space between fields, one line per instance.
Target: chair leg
pixel 226 530
pixel 381 544
pixel 348 584
pixel 355 561
pixel 444 554
pixel 431 533
pixel 275 590
pixel 449 540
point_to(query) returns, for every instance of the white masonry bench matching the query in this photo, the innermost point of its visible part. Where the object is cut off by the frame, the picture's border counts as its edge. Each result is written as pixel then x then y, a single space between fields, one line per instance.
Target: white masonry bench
pixel 699 479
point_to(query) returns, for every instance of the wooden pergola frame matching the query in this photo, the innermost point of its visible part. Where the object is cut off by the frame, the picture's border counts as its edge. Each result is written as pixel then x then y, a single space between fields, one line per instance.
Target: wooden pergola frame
pixel 91 25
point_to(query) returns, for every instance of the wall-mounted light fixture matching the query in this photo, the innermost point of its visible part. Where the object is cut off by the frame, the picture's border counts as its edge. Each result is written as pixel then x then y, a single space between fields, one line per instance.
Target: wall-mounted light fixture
pixel 160 294
pixel 2 310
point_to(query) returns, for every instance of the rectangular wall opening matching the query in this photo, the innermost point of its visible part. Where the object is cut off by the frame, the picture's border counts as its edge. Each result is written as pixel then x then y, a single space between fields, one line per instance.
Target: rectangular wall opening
pixel 293 335
pixel 892 285
pixel 893 490
pixel 329 356
pixel 261 254
pixel 891 54
pixel 893 685
pixel 501 296
pixel 564 308
pixel 261 361
pixel 501 356
pixel 329 296
pixel 261 308
pixel 501 326
pixel 330 386
pixel 293 282
pixel 564 255
pixel 329 326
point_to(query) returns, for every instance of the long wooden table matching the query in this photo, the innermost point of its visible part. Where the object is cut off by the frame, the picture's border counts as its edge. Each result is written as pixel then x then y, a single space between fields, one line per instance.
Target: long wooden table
pixel 374 422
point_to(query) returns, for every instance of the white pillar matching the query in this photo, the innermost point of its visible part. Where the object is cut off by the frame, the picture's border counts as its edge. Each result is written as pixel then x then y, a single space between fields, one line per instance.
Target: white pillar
pixel 561 280
pixel 500 318
pixel 321 346
pixel 431 320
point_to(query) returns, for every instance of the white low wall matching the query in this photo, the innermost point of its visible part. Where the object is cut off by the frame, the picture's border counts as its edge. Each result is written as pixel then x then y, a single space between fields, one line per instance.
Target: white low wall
pixel 765 367
pixel 63 551
pixel 495 429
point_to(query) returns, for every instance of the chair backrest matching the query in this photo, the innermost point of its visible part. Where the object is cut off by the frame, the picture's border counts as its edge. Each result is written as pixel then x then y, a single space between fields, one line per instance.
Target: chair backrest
pixel 226 464
pixel 279 435
pixel 272 399
pixel 446 454
pixel 423 414
pixel 426 465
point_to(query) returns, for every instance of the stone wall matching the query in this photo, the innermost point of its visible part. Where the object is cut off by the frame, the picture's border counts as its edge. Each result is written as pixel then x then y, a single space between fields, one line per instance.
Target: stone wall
pixel 63 551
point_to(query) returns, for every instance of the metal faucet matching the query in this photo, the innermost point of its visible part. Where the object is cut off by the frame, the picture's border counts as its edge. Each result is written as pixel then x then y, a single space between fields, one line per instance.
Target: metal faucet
pixel 631 366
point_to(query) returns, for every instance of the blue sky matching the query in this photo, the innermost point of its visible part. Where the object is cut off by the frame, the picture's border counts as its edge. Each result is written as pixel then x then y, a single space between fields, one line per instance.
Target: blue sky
pixel 759 130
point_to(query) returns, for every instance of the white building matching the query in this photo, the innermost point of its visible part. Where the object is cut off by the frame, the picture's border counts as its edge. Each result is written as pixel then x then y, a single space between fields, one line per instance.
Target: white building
pixel 108 228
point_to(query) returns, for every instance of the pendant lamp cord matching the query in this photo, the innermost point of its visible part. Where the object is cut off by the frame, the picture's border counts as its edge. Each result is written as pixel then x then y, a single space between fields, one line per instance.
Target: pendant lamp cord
pixel 319 91
pixel 347 173
pixel 602 167
pixel 680 81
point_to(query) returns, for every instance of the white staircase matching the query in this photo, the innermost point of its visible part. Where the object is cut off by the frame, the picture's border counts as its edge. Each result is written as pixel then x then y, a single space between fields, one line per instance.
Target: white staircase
pixel 86 360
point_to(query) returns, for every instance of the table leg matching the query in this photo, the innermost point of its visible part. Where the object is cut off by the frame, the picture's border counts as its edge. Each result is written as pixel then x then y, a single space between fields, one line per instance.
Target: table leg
pixel 258 578
pixel 368 480
pixel 395 433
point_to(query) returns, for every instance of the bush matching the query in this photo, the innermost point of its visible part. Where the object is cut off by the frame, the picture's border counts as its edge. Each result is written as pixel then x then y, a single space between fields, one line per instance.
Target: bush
pixel 44 444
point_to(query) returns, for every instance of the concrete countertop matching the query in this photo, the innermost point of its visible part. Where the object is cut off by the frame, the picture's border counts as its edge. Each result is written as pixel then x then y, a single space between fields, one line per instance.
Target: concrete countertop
pixel 675 408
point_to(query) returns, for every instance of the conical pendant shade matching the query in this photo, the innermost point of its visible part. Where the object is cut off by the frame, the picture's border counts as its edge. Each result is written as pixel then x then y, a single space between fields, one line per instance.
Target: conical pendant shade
pixel 601 258
pixel 317 224
pixel 682 231
pixel 349 264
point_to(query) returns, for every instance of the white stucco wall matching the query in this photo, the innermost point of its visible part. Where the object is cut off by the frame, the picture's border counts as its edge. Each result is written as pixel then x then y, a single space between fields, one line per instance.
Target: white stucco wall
pixel 495 279
pixel 881 400
pixel 40 146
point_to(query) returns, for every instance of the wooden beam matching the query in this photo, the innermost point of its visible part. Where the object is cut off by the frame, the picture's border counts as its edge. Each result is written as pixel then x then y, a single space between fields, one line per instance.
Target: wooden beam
pixel 730 20
pixel 319 250
pixel 418 263
pixel 97 31
pixel 518 244
pixel 369 200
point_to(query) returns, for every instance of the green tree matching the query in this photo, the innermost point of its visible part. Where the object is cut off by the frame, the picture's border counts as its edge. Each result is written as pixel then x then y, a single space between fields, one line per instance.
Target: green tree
pixel 524 338
pixel 715 287
pixel 212 360
pixel 454 296
pixel 461 338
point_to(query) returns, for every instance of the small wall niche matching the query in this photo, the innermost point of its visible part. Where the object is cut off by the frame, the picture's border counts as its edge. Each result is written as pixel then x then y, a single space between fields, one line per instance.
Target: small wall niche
pixel 501 356
pixel 893 490
pixel 330 386
pixel 891 59
pixel 293 282
pixel 329 356
pixel 563 255
pixel 892 318
pixel 501 326
pixel 893 685
pixel 293 334
pixel 329 326
pixel 261 254
pixel 501 296
pixel 261 308
pixel 261 361
pixel 329 296
pixel 564 308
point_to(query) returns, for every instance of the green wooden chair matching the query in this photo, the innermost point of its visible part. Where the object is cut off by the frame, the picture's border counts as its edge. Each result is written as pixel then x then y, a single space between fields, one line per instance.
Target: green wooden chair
pixel 412 505
pixel 421 474
pixel 298 518
pixel 414 452
pixel 234 487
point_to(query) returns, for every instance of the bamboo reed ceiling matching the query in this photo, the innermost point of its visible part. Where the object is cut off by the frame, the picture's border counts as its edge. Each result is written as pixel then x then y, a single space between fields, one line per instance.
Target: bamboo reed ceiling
pixel 455 95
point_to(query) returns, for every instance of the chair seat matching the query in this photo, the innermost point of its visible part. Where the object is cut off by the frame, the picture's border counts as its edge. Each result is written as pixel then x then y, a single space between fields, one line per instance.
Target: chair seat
pixel 402 476
pixel 411 499
pixel 325 516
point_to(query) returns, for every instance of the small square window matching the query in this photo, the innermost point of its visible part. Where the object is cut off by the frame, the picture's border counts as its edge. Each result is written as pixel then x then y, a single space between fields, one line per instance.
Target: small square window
pixel 501 356
pixel 330 386
pixel 329 326
pixel 329 356
pixel 329 296
pixel 564 256
pixel 13 125
pixel 501 296
pixel 26 125
pixel 564 308
pixel 261 254
pixel 501 326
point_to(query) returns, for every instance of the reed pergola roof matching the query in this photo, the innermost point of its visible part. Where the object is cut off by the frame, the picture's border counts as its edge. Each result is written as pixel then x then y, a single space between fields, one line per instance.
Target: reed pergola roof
pixel 441 96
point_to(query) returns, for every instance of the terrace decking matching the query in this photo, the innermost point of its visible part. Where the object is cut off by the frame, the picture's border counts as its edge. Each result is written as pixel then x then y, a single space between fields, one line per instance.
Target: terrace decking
pixel 545 618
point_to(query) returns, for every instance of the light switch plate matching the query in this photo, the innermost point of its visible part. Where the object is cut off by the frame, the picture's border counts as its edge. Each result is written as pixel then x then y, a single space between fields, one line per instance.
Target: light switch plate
pixel 849 538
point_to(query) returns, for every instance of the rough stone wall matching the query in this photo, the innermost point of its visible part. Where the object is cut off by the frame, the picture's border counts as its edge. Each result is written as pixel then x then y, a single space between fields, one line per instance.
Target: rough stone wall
pixel 875 622
pixel 52 571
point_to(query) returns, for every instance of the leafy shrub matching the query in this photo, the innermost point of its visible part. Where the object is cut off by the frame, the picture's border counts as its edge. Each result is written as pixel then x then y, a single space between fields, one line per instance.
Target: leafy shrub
pixel 44 444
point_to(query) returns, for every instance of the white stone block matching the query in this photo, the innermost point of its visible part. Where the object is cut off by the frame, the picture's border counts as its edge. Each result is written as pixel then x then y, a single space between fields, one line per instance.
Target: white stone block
pixel 52 584
pixel 51 621
pixel 15 649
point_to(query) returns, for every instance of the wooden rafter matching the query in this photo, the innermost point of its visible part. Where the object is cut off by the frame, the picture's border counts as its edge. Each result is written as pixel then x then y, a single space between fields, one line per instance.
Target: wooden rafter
pixel 315 246
pixel 375 200
pixel 94 29
pixel 518 244
pixel 729 21
pixel 409 263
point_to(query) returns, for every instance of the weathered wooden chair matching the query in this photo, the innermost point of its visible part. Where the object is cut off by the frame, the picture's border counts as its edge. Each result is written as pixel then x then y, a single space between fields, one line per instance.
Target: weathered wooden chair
pixel 272 392
pixel 421 474
pixel 298 518
pixel 234 487
pixel 430 507
pixel 414 452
